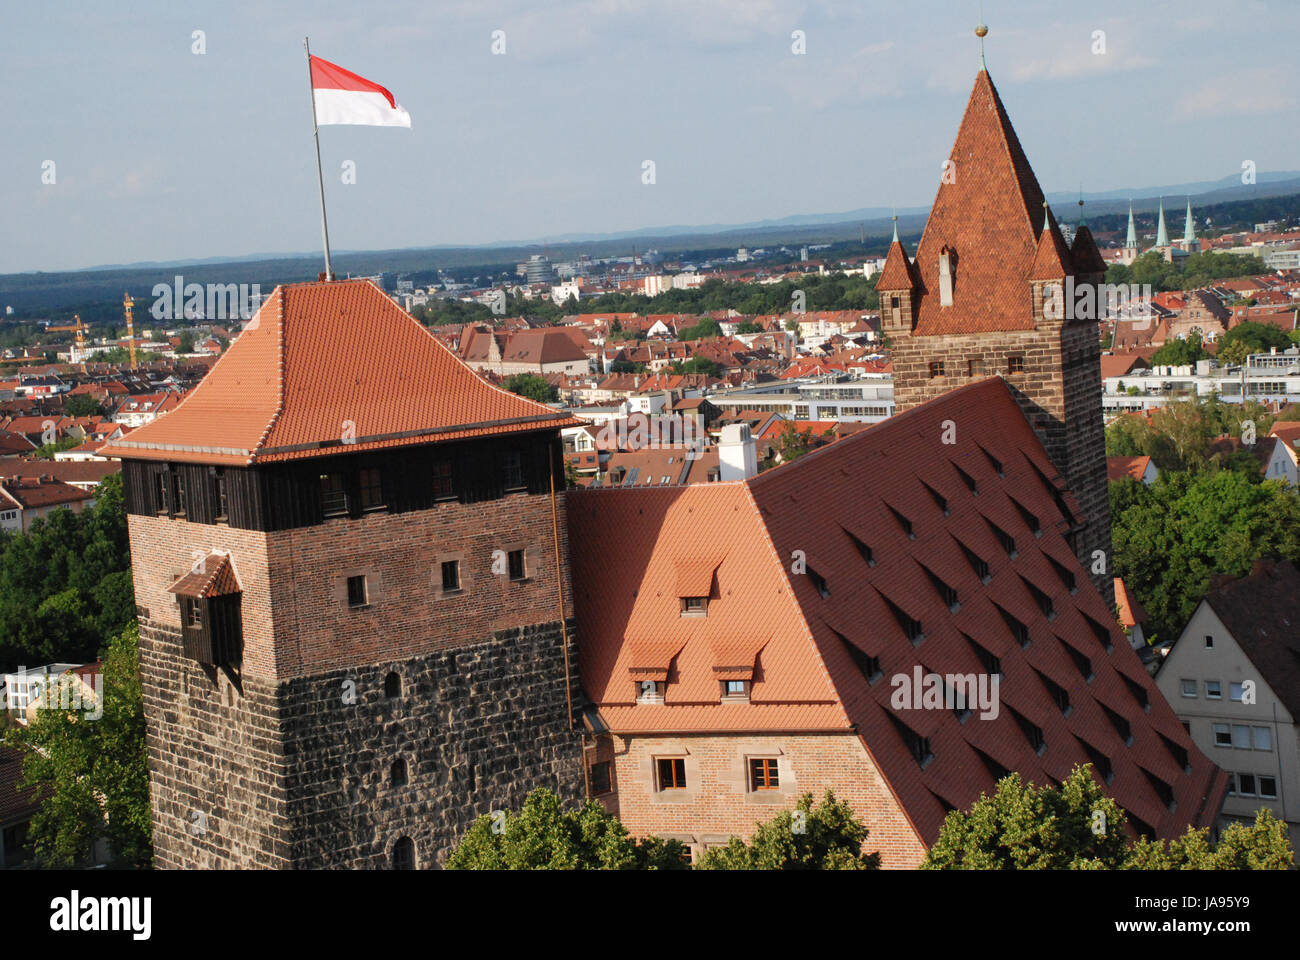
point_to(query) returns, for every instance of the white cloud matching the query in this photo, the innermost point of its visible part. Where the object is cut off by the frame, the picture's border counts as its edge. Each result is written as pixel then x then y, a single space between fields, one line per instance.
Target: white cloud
pixel 1250 91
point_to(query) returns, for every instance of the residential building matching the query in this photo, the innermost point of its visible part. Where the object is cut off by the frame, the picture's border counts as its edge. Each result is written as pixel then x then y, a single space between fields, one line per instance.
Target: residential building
pixel 1233 678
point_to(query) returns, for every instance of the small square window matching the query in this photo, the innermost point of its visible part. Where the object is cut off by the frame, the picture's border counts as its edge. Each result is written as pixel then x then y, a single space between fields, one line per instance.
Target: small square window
pixel 357 596
pixel 600 778
pixel 1213 691
pixel 1241 736
pixel 1189 689
pixel 516 563
pixel 372 490
pixel 672 773
pixel 735 688
pixel 763 774
pixel 650 691
pixel 1268 787
pixel 193 614
pixel 1222 735
pixel 512 469
pixel 444 486
pixel 976 368
pixel 1209 642
pixel 937 368
pixel 1261 738
pixel 333 495
pixel 1235 692
pixel 450 575
pixel 1246 784
pixel 695 606
pixel 1015 364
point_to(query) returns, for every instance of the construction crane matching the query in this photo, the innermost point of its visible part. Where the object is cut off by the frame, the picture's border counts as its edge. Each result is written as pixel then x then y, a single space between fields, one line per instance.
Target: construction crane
pixel 127 304
pixel 80 339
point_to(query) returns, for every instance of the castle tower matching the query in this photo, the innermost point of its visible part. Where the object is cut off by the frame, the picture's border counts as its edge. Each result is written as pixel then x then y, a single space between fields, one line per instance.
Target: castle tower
pixel 992 291
pixel 352 583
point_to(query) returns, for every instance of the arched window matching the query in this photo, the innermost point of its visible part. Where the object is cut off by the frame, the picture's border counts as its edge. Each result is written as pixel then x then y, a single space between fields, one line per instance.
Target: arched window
pixel 404 854
pixel 392 685
pixel 397 773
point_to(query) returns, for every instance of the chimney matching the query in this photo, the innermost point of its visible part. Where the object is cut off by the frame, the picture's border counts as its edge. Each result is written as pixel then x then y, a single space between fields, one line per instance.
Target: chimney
pixel 737 457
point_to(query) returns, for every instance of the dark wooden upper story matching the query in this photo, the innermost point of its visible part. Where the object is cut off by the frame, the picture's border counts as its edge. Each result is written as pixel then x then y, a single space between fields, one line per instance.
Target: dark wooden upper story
pixel 303 493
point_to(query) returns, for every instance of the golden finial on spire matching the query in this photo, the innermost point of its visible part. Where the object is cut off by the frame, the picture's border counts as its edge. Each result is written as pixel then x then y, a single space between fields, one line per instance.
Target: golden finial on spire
pixel 981 31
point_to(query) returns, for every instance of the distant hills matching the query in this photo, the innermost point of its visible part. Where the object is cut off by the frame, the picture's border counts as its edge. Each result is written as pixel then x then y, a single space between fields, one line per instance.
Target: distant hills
pixel 103 286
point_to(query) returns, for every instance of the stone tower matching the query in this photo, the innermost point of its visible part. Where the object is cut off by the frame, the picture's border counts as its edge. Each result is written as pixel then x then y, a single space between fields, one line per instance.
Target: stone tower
pixel 352 582
pixel 993 291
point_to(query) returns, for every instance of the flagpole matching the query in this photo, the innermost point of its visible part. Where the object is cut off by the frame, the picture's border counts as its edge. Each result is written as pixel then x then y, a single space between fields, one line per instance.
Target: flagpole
pixel 320 177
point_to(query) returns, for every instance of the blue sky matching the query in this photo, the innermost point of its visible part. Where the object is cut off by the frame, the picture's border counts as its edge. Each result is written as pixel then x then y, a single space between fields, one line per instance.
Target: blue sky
pixel 161 154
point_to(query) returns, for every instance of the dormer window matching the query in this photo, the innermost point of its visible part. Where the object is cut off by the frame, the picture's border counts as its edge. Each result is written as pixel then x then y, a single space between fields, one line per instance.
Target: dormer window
pixel 650 691
pixel 695 606
pixel 945 277
pixel 735 689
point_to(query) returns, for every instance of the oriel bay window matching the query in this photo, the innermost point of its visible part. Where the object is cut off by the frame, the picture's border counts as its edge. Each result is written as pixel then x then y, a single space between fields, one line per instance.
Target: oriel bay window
pixel 211 625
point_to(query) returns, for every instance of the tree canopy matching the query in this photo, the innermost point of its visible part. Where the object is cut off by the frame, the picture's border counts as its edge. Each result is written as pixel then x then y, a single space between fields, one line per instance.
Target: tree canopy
pixel 823 837
pixel 1077 827
pixel 92 773
pixel 545 836
pixel 532 386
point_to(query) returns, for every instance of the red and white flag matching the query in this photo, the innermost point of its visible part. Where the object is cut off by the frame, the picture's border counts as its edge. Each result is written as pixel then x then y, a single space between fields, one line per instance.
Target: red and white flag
pixel 343 97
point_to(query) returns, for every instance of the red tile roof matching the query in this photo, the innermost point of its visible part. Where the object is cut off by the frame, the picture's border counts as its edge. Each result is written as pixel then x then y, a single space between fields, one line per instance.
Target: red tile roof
pixel 813 631
pixel 991 215
pixel 214 577
pixel 1117 468
pixel 1130 610
pixel 319 355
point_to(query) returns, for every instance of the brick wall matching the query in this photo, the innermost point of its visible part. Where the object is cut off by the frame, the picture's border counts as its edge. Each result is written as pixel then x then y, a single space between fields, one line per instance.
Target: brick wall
pixel 717 802
pixel 286 762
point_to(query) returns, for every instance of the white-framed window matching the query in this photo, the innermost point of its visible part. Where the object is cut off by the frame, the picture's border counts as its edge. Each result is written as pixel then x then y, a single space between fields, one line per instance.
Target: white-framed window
pixel 1246 784
pixel 1222 735
pixel 1213 690
pixel 1241 736
pixel 1235 692
pixel 1268 787
pixel 1261 738
pixel 1189 689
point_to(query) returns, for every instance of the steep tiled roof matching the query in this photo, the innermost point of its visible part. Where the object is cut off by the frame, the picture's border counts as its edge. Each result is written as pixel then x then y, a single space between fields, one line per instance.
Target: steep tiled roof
pixel 899 272
pixel 316 357
pixel 1130 609
pixel 991 214
pixel 1087 258
pixel 845 511
pixel 626 593
pixel 1262 612
pixel 1052 261
pixel 548 345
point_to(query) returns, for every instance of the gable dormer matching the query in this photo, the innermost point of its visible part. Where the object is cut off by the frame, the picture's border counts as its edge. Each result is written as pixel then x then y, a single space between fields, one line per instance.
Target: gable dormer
pixel 897 288
pixel 947 271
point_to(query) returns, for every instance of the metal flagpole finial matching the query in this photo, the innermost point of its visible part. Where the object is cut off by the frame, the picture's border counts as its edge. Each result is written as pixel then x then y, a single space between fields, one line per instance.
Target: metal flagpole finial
pixel 982 31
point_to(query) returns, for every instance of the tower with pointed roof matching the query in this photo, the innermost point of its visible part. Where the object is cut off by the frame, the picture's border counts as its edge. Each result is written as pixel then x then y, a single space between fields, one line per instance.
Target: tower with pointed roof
pixel 986 295
pixel 1130 251
pixel 1190 243
pixel 352 586
pixel 1162 232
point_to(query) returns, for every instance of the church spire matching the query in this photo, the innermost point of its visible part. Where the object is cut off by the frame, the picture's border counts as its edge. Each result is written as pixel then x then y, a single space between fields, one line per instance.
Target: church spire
pixel 1131 241
pixel 1189 227
pixel 1162 234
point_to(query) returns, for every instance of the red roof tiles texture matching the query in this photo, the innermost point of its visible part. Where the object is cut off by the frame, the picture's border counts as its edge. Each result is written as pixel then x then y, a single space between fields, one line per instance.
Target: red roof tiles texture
pixel 316 358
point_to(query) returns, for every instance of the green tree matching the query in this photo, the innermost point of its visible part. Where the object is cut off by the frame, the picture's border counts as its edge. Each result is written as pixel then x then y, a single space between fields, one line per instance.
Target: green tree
pixel 92 773
pixel 1247 338
pixel 186 345
pixel 825 837
pixel 697 365
pixel 706 328
pixel 1180 353
pixel 1077 827
pixel 1171 537
pixel 82 405
pixel 532 386
pixel 545 836
pixel 748 326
